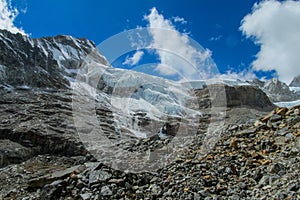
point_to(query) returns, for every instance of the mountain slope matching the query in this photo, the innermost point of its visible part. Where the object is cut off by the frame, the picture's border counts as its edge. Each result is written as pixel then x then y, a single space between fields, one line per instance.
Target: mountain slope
pixel 44 62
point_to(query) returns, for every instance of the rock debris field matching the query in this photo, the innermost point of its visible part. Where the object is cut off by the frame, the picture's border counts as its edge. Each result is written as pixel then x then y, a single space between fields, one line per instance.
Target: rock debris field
pixel 258 160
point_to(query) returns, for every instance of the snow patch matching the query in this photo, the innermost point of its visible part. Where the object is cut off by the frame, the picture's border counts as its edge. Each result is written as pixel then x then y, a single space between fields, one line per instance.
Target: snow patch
pixel 199 84
pixel 296 89
pixel 288 104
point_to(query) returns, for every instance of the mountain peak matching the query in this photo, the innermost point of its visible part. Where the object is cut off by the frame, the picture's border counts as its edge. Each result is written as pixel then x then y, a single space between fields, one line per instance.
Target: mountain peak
pixel 295 82
pixel 43 62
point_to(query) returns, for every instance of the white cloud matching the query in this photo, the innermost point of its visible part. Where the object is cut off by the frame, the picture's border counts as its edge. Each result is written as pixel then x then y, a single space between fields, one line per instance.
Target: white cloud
pixel 244 75
pixel 7 18
pixel 216 38
pixel 275 26
pixel 179 20
pixel 166 70
pixel 176 51
pixel 134 59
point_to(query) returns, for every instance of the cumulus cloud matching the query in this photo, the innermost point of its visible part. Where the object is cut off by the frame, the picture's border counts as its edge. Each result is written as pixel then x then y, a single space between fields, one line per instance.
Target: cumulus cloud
pixel 8 16
pixel 275 27
pixel 133 60
pixel 176 51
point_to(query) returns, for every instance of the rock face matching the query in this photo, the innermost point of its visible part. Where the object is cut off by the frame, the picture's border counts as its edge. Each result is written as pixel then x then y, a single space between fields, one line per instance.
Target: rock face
pixel 12 152
pixel 276 90
pixel 37 123
pixel 45 62
pixel 236 96
pixel 295 82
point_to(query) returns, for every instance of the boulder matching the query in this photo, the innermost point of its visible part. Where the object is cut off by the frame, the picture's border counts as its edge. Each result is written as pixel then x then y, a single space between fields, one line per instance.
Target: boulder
pixel 12 152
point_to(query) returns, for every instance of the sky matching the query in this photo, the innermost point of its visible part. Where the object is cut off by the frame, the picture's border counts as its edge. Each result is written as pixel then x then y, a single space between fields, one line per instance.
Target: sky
pixel 244 39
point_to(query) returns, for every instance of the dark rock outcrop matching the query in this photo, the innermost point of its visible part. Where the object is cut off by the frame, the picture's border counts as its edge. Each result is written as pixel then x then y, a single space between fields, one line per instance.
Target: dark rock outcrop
pixel 236 96
pixel 37 123
pixel 12 152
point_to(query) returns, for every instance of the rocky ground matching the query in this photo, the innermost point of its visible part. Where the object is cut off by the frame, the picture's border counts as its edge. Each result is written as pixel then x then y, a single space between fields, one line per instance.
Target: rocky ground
pixel 251 160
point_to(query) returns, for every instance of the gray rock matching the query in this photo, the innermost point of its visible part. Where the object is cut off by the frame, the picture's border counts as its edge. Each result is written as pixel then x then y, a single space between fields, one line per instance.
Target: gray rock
pixel 281 196
pixel 295 151
pixel 86 196
pixel 98 175
pixel 282 131
pixel 294 187
pixel 293 120
pixel 275 118
pixel 58 175
pixel 265 180
pixel 12 152
pixel 139 194
pixel 135 187
pixel 153 180
pixel 204 193
pixel 156 190
pixel 80 184
pixel 197 196
pixel 106 191
pixel 275 168
pixel 242 185
pixel 50 192
pixel 289 136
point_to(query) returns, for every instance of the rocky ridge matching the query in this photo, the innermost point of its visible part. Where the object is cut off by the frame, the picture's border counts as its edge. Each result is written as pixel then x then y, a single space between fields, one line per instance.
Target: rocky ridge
pixel 48 62
pixel 276 90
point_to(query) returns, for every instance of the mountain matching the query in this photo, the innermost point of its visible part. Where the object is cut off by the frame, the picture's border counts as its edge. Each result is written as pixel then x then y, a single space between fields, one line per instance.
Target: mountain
pixel 276 90
pixel 55 90
pixel 295 82
pixel 64 86
pixel 64 107
pixel 42 63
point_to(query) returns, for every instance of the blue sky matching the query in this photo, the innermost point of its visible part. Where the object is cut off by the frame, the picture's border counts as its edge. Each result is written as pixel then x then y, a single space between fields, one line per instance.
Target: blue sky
pixel 215 24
